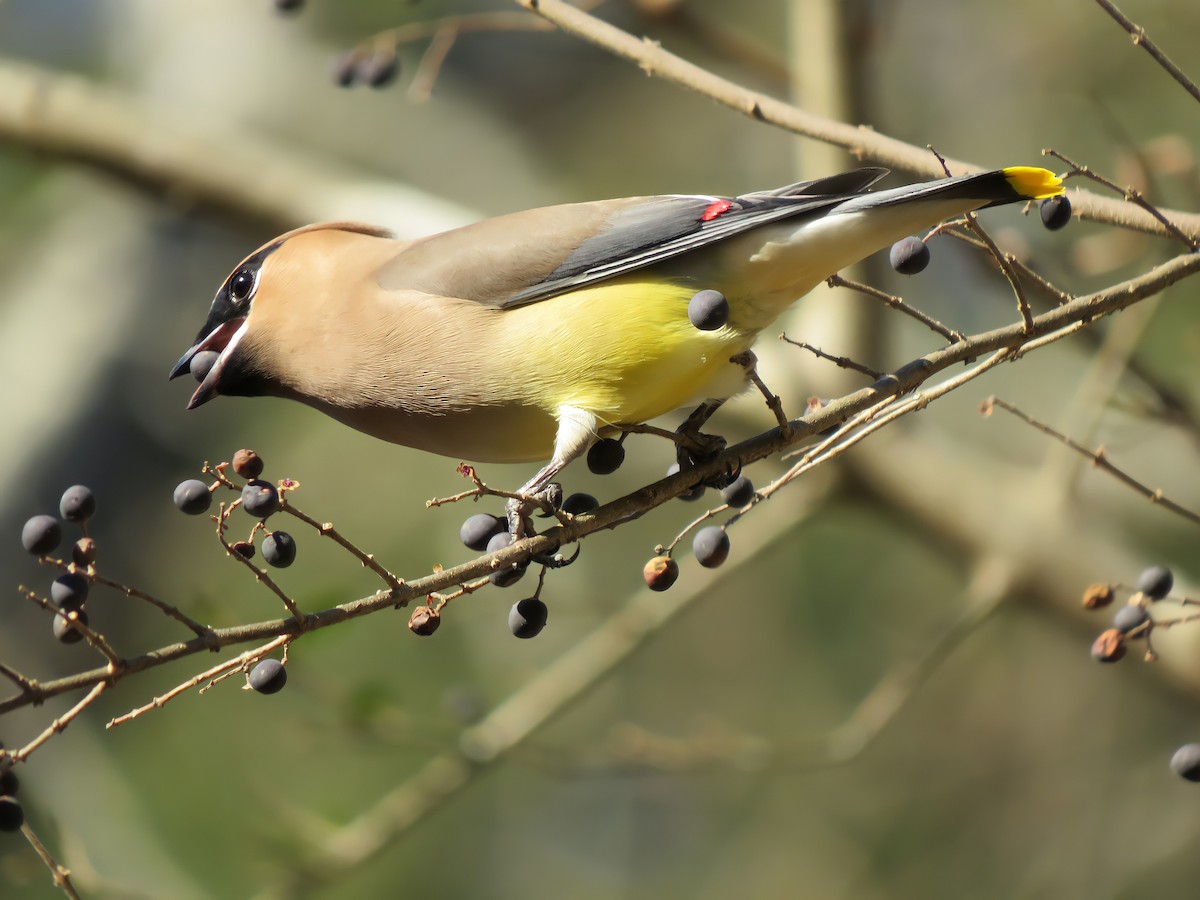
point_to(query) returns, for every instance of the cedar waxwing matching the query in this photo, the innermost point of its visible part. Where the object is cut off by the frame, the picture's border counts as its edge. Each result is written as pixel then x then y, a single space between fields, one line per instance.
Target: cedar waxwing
pixel 525 336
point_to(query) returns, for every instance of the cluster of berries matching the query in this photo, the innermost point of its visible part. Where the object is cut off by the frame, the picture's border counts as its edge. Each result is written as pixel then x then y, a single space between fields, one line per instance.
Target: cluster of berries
pixel 42 535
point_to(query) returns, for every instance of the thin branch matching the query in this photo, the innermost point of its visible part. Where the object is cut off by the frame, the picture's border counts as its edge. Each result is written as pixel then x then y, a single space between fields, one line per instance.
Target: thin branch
pixel 1098 458
pixel 1131 195
pixel 1141 39
pixel 861 141
pixel 898 304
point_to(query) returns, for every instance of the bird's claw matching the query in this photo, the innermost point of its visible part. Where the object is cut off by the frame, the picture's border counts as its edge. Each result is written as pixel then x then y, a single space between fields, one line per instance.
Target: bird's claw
pixel 518 509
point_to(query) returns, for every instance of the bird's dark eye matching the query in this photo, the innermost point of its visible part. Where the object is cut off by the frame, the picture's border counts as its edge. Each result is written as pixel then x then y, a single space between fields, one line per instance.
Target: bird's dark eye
pixel 241 284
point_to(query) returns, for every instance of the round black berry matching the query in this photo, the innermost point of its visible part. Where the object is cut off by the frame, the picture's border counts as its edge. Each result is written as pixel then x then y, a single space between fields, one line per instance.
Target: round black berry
pixel 41 535
pixel 1055 212
pixel 78 503
pixel 1129 617
pixel 708 310
pixel 1186 762
pixel 508 575
pixel 605 456
pixel 711 546
pixel 69 590
pixel 9 782
pixel 580 503
pixel 64 626
pixel 1156 582
pixel 202 364
pixel 289 6
pixel 739 492
pixel 12 817
pixel 479 529
pixel 268 676
pixel 260 499
pixel 279 549
pixel 193 497
pixel 527 618
pixel 909 255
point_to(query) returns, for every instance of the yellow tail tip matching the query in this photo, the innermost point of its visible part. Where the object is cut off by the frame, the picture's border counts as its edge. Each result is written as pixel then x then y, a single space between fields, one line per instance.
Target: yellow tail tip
pixel 1034 183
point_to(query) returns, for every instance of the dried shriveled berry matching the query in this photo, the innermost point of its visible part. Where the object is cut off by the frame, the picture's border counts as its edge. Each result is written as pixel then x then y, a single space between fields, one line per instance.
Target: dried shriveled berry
pixel 1109 647
pixel 78 503
pixel 12 817
pixel 268 676
pixel 244 549
pixel 660 573
pixel 1156 582
pixel 424 621
pixel 41 535
pixel 580 503
pixel 83 552
pixel 711 546
pixel 739 492
pixel 1097 596
pixel 479 529
pixel 1186 762
pixel 708 310
pixel 527 617
pixel 64 626
pixel 279 549
pixel 260 498
pixel 70 589
pixel 605 456
pixel 193 497
pixel 909 255
pixel 247 463
pixel 202 364
pixel 1130 617
pixel 1055 212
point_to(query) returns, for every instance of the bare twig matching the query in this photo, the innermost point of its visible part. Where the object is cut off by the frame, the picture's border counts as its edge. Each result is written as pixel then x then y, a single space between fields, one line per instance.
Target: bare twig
pixel 1099 459
pixel 1141 39
pixel 1133 196
pixel 861 141
pixel 897 304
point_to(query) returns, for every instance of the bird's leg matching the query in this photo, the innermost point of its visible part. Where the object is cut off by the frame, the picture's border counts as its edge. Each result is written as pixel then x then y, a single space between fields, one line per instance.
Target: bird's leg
pixel 749 362
pixel 576 430
pixel 538 491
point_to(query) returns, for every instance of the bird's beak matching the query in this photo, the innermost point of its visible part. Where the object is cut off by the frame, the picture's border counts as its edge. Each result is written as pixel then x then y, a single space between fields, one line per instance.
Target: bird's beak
pixel 224 340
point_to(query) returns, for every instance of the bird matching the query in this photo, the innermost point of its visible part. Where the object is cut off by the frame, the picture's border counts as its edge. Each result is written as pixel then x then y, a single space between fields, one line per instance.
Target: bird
pixel 528 336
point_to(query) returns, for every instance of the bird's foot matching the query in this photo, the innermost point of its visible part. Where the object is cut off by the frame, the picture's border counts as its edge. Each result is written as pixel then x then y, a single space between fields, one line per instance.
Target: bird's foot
pixel 519 508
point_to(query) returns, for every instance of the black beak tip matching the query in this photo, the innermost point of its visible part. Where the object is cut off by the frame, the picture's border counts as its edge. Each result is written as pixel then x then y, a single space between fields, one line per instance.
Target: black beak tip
pixel 183 365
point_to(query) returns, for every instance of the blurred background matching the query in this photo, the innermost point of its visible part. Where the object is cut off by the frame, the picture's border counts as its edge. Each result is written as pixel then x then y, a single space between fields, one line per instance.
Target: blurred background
pixel 886 692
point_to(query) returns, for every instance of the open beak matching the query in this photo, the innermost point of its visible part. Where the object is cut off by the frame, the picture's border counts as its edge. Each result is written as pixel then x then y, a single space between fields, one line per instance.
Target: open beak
pixel 224 340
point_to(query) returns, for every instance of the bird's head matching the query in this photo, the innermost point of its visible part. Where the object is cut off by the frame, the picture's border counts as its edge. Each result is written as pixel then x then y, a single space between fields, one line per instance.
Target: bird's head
pixel 270 285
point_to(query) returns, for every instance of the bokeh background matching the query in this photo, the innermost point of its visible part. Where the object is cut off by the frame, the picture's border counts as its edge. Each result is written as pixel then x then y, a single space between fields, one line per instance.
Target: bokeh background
pixel 887 691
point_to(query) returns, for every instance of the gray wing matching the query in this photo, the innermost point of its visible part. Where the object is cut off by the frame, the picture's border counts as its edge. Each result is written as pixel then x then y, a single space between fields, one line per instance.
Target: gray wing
pixel 524 257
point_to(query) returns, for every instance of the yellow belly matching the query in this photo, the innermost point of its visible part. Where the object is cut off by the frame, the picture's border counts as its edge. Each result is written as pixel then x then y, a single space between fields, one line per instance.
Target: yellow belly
pixel 624 351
